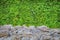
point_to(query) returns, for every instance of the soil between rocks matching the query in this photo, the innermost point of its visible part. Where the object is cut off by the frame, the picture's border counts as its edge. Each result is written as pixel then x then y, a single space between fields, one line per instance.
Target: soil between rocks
pixel 8 32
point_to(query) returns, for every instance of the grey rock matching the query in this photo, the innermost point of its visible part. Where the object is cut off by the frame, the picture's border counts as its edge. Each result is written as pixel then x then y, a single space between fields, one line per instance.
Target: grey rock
pixel 2 38
pixel 25 38
pixel 43 28
pixel 4 33
pixel 7 32
pixel 6 27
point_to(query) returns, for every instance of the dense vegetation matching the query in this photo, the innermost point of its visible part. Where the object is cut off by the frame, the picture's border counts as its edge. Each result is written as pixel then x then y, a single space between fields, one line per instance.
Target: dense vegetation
pixel 30 12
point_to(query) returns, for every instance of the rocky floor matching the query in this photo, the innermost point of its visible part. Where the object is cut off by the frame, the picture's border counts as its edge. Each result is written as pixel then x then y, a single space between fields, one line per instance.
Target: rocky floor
pixel 8 32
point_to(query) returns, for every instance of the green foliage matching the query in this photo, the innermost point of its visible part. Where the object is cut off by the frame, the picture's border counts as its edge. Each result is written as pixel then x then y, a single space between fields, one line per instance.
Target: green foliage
pixel 30 12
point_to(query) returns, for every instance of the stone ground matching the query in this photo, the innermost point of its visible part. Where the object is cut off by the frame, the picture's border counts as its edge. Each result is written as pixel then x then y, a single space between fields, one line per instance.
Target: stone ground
pixel 8 32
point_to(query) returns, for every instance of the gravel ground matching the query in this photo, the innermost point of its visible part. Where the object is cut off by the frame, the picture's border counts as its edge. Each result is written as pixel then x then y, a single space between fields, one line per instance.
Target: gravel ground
pixel 8 32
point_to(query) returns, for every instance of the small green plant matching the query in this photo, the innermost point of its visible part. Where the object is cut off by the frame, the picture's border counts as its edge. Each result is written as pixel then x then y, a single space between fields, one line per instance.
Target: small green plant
pixel 30 12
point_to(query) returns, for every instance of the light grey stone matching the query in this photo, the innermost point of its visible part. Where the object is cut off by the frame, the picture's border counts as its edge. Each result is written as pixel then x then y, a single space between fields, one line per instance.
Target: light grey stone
pixel 7 32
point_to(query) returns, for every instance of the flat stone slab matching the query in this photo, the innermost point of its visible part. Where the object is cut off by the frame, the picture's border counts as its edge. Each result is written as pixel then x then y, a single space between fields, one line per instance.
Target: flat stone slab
pixel 8 32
